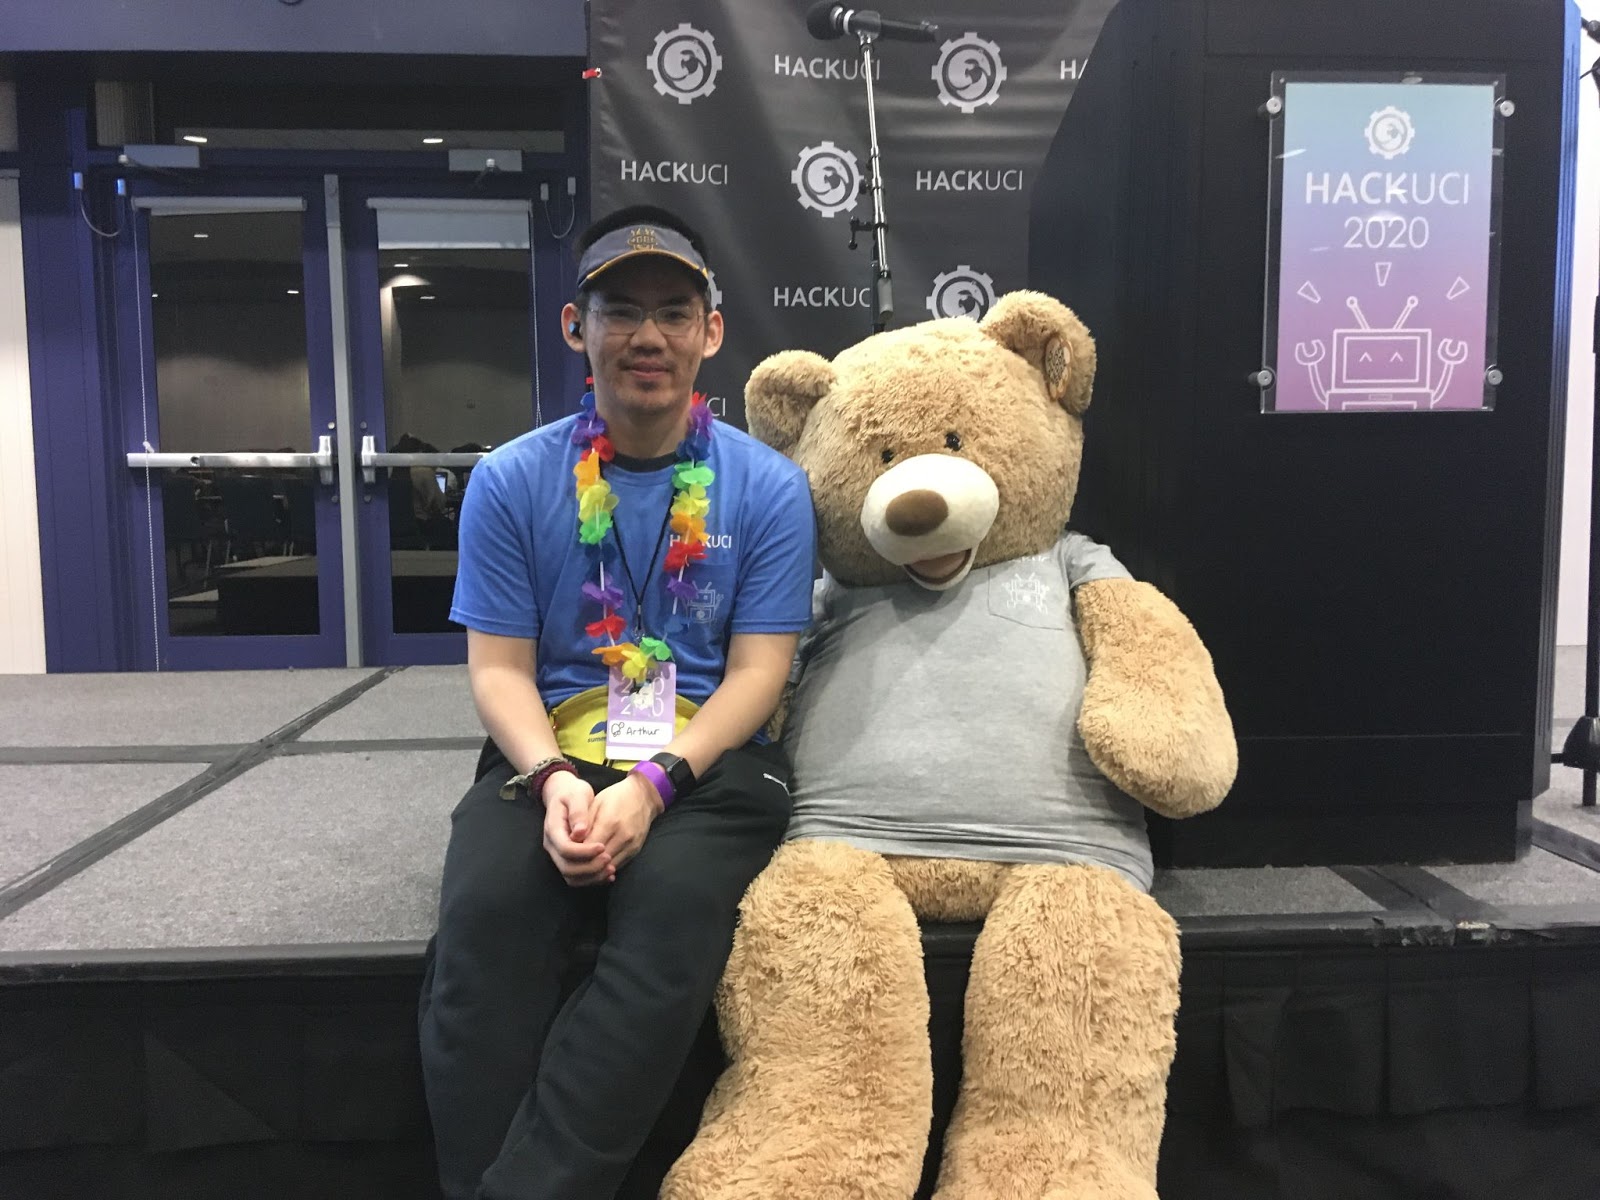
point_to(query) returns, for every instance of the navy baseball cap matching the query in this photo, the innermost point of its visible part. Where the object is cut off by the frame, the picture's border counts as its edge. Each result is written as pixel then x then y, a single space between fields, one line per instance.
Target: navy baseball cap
pixel 633 241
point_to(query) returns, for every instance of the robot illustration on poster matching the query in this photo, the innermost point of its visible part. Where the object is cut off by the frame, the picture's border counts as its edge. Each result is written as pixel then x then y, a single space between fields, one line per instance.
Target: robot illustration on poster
pixel 1381 368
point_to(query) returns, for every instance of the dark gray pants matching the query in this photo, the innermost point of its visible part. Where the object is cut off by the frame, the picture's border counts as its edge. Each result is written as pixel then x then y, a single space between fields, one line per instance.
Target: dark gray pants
pixel 530 1103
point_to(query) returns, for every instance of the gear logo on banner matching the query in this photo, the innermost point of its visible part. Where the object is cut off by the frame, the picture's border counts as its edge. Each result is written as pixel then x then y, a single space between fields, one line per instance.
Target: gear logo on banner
pixel 1390 131
pixel 685 63
pixel 827 179
pixel 961 293
pixel 969 72
pixel 716 292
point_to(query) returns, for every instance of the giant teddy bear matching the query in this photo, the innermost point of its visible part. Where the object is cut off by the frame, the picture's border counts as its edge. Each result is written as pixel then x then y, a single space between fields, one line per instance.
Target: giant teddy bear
pixel 986 703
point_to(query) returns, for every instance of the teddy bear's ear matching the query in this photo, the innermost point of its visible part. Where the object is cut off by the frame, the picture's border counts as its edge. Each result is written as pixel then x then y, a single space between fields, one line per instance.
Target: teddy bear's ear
pixel 781 393
pixel 1049 335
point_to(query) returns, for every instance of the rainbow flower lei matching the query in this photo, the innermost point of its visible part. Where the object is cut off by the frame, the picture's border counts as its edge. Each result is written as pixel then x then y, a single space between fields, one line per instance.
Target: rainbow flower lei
pixel 692 477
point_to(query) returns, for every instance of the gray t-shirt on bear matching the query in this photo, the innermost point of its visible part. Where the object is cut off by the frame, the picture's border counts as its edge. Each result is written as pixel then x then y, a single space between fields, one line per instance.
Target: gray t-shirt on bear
pixel 944 724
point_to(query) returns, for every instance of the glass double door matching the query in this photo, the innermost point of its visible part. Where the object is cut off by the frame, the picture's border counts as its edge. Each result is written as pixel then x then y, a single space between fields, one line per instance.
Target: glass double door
pixel 310 370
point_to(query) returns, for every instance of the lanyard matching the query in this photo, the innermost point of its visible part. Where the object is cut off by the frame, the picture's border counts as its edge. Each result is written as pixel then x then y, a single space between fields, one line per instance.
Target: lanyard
pixel 638 593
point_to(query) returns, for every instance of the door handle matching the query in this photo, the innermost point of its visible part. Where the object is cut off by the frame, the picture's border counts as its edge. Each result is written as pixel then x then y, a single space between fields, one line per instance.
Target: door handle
pixel 372 458
pixel 325 462
pixel 322 461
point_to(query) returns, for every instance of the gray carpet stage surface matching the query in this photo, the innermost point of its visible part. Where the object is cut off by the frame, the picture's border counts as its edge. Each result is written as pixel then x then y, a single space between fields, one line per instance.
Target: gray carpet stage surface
pixel 331 848
pixel 1539 878
pixel 419 702
pixel 1238 892
pixel 1561 804
pixel 48 808
pixel 185 709
pixel 312 808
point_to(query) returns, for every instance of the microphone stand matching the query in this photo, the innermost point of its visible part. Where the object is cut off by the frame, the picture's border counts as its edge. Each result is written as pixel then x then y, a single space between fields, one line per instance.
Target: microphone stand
pixel 1582 747
pixel 882 284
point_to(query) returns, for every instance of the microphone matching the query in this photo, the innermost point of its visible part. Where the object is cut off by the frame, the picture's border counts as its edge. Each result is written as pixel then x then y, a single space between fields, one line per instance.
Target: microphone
pixel 827 20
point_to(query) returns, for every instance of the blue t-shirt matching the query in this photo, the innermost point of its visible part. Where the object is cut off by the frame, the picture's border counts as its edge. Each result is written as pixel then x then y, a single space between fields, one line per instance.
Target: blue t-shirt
pixel 522 567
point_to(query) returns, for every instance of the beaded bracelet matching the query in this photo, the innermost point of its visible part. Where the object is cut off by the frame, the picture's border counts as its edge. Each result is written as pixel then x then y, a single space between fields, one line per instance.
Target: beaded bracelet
pixel 535 779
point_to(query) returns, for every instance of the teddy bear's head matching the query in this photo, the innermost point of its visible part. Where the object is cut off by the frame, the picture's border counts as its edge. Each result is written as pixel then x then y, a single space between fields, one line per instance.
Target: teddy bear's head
pixel 939 448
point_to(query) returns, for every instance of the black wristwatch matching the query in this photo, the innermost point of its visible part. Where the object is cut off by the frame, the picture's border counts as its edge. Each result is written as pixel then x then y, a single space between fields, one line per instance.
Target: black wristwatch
pixel 679 773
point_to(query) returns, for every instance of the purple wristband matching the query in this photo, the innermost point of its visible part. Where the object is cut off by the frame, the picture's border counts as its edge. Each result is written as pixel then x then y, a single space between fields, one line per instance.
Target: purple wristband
pixel 658 778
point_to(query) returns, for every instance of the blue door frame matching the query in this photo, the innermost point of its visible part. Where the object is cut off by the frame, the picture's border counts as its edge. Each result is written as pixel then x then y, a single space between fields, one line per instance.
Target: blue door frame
pixel 94 527
pixel 155 646
pixel 557 384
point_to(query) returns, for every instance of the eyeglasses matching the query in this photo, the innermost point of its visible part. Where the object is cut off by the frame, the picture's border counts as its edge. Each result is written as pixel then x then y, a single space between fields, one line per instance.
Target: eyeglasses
pixel 673 320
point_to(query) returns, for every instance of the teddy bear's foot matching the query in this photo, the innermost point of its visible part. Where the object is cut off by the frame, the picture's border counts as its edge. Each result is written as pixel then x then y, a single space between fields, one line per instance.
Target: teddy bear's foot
pixel 1008 1162
pixel 824 1015
pixel 1099 1175
pixel 731 1160
pixel 1069 1036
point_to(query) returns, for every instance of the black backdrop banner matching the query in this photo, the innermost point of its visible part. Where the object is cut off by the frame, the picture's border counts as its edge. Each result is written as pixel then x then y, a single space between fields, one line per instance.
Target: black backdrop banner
pixel 731 114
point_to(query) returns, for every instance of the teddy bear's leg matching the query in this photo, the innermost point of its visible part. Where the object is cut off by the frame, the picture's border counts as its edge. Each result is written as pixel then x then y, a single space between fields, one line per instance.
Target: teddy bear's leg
pixel 1069 1036
pixel 824 1015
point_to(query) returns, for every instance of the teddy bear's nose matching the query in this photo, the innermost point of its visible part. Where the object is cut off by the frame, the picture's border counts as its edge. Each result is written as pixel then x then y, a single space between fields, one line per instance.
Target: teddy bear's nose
pixel 916 512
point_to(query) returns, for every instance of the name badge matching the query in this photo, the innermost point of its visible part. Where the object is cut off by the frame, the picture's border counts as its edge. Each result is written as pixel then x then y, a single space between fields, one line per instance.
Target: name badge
pixel 640 722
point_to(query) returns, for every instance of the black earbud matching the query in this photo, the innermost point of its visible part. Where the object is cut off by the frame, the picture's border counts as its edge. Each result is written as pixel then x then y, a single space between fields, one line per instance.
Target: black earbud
pixel 573 329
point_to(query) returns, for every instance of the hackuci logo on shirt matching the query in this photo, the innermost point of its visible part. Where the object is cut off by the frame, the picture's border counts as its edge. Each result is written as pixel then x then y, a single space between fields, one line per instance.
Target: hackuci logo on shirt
pixel 1028 590
pixel 703 608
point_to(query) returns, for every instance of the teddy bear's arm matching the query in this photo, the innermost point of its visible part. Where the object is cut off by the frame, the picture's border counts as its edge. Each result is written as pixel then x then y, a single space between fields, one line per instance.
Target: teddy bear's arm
pixel 1153 716
pixel 780 715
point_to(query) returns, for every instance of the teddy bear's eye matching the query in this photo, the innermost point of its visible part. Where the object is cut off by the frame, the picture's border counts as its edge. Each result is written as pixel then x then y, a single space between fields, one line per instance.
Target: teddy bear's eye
pixel 888 455
pixel 953 440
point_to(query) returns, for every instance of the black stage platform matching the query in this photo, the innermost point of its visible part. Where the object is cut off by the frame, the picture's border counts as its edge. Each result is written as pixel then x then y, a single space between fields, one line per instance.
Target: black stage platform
pixel 218 887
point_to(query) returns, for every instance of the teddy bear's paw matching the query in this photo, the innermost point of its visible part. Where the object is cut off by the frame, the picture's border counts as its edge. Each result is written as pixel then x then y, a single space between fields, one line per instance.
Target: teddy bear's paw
pixel 1177 772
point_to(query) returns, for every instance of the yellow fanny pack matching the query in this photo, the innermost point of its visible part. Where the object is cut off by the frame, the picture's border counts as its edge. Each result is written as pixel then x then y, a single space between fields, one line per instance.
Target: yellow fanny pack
pixel 580 726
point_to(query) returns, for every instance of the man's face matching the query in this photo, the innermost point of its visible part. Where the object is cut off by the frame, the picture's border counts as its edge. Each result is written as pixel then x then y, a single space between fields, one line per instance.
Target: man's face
pixel 650 368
